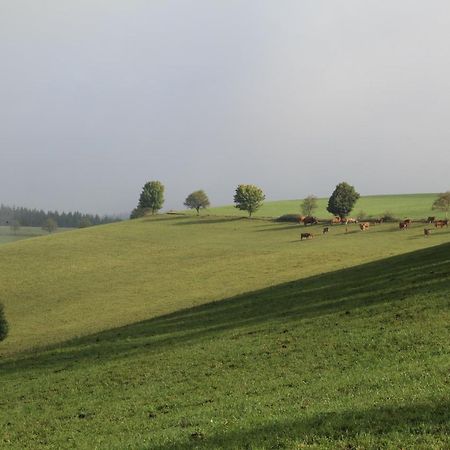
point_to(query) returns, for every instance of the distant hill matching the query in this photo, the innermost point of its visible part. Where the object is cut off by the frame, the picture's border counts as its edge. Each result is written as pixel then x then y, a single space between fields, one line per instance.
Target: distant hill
pixel 416 206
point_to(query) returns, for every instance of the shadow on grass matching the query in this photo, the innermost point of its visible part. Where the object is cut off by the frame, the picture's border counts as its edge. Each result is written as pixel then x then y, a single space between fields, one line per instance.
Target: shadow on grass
pixel 423 272
pixel 199 220
pixel 279 227
pixel 333 428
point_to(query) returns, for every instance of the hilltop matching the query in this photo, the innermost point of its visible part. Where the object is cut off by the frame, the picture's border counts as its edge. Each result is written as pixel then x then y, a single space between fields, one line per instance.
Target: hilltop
pixel 415 206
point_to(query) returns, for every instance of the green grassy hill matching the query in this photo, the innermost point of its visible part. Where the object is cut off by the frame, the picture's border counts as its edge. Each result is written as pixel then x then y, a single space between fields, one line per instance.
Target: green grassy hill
pixel 416 206
pixel 251 338
pixel 55 287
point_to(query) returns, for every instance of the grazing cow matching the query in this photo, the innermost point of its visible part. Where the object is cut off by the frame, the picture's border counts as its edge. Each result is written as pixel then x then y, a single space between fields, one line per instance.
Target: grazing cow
pixel 335 220
pixel 325 230
pixel 350 220
pixel 306 236
pixel 403 225
pixel 309 220
pixel 431 219
pixel 441 223
pixel 364 226
pixel 426 231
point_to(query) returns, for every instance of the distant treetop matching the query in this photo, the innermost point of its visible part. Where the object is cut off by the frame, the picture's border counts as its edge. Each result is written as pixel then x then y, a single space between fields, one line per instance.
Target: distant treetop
pixel 26 217
pixel 197 200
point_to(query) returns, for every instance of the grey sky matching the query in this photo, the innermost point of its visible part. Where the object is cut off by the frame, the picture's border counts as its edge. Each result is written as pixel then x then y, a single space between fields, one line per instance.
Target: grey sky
pixel 99 96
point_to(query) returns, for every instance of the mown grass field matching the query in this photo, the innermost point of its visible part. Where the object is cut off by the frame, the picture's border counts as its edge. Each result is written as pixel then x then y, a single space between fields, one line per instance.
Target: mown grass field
pixel 415 206
pixel 337 342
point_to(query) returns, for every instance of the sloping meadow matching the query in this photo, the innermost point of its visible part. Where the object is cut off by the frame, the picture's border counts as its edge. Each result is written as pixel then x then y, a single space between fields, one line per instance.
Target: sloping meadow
pixel 62 286
pixel 353 358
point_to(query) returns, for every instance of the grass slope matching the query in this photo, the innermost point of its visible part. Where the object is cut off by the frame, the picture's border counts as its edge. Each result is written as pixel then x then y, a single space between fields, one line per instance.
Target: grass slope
pixel 416 206
pixel 357 358
pixel 76 283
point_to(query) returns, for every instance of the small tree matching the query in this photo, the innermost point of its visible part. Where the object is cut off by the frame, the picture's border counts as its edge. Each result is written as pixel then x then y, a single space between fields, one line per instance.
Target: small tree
pixel 442 203
pixel 14 225
pixel 197 200
pixel 248 198
pixel 342 200
pixel 309 205
pixel 4 328
pixel 152 196
pixel 85 223
pixel 50 225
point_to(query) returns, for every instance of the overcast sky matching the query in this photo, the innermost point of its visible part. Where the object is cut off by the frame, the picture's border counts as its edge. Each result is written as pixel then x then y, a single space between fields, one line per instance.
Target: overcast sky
pixel 99 96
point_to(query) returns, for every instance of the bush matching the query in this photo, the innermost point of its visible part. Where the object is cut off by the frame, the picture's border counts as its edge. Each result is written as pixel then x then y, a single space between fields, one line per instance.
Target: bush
pixel 361 215
pixel 139 212
pixel 289 218
pixel 389 217
pixel 3 324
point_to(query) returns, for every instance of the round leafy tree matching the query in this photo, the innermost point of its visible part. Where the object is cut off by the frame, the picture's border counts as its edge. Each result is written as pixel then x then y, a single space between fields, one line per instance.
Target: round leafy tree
pixel 442 203
pixel 197 200
pixel 248 198
pixel 3 324
pixel 342 200
pixel 152 196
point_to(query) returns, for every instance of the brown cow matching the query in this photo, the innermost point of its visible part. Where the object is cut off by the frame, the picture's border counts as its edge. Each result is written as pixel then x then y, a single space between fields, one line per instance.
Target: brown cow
pixel 309 220
pixel 306 236
pixel 426 231
pixel 325 230
pixel 364 226
pixel 301 219
pixel 350 220
pixel 441 223
pixel 403 225
pixel 335 220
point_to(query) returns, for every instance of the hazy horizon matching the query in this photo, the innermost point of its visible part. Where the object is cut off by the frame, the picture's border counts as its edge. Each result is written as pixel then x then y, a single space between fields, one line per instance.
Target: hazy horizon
pixel 99 97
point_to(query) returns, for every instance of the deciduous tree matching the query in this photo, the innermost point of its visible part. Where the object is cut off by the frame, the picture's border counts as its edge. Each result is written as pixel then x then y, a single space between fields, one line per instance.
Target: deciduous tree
pixel 248 198
pixel 442 203
pixel 50 225
pixel 152 196
pixel 85 223
pixel 197 200
pixel 309 205
pixel 342 200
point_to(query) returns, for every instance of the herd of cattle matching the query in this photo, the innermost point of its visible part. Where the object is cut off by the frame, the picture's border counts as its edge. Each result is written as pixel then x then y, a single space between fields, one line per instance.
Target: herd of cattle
pixel 363 226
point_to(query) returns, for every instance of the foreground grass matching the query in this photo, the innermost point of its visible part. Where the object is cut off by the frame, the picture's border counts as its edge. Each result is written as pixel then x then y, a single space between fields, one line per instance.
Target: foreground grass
pixel 357 358
pixel 72 284
pixel 416 206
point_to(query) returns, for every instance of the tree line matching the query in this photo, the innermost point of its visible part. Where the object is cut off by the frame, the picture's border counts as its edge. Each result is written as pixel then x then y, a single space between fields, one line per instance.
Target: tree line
pixel 247 197
pixel 26 217
pixel 250 198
